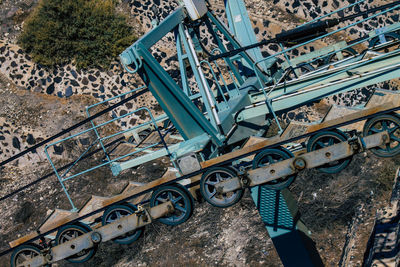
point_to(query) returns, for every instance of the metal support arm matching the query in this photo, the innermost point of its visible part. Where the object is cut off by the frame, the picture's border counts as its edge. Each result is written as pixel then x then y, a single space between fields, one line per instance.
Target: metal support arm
pixel 102 234
pixel 308 160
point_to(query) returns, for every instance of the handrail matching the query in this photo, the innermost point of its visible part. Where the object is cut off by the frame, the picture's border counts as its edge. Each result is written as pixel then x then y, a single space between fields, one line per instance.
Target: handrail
pixel 63 178
pixel 321 37
pixel 330 14
pixel 367 37
pixel 79 158
pixel 102 102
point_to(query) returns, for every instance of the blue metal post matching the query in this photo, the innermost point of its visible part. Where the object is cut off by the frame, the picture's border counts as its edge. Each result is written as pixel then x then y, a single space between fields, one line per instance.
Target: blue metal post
pixel 199 76
pixel 291 238
pixel 240 25
pixel 181 58
pixel 185 116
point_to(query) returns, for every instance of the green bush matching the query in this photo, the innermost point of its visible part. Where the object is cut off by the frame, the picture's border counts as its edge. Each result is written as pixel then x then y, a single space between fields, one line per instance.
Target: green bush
pixel 88 33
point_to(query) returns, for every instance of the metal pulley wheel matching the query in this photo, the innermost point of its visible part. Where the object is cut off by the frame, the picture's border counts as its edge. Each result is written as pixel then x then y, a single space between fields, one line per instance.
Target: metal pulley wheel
pixel 389 123
pixel 270 156
pixel 115 213
pixel 208 189
pixel 24 253
pixel 71 231
pixel 391 42
pixel 325 139
pixel 180 198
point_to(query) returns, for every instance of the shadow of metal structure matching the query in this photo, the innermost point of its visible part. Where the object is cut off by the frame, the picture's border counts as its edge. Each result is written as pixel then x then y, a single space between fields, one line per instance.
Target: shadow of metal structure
pixel 291 238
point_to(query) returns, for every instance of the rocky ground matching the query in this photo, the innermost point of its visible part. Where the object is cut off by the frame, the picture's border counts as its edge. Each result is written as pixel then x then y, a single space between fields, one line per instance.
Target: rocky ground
pixel 12 15
pixel 338 209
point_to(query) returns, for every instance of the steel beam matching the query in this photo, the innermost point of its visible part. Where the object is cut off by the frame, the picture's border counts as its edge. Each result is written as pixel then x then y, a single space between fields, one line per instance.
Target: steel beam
pixel 324 83
pixel 102 234
pixel 293 131
pixel 308 160
pixel 240 25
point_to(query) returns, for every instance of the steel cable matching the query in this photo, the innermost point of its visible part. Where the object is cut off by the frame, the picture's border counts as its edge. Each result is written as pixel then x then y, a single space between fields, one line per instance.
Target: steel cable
pixel 32 148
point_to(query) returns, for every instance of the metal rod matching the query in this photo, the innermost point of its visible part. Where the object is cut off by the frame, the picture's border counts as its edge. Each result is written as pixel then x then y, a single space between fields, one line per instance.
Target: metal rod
pixel 210 99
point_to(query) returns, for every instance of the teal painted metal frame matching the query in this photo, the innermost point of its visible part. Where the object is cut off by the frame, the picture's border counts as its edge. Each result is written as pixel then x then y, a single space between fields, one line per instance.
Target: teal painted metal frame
pixel 63 177
pixel 269 100
pixel 221 48
pixel 185 116
pixel 182 67
pixel 202 86
pixel 233 40
pixel 182 112
pixel 240 25
pixel 291 238
pixel 289 98
pixel 392 28
pixel 277 209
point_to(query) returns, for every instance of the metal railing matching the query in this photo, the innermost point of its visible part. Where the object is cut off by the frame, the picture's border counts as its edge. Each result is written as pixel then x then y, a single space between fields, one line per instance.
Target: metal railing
pixel 262 81
pixel 99 140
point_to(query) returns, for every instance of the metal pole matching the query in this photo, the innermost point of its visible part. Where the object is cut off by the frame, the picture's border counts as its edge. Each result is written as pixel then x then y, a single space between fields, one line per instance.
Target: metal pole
pixel 210 98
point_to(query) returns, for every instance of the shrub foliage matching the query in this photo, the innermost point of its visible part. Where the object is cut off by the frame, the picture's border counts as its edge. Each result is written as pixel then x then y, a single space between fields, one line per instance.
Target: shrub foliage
pixel 89 33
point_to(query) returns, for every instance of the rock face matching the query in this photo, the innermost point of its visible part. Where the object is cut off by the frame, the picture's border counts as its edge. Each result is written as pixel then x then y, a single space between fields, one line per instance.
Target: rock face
pixel 383 245
pixel 36 103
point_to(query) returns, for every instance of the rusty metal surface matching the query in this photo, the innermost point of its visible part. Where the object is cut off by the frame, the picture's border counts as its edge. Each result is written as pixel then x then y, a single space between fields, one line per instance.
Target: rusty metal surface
pixel 23 239
pixel 353 116
pixel 94 203
pixel 294 129
pixel 55 219
pixel 308 160
pixel 243 151
pixel 52 222
pixel 169 175
pixel 106 232
pixel 134 187
pixel 252 141
pixel 339 111
pixel 377 103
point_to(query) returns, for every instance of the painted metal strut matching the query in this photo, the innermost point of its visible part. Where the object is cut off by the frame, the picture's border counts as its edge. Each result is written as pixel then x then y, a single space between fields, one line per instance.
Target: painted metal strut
pixel 215 120
pixel 102 234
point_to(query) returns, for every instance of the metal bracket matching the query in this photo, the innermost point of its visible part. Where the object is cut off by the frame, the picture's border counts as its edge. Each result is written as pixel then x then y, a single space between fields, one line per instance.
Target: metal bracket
pixel 188 163
pixel 299 163
pixel 356 142
pixel 95 237
pixel 143 213
pixel 357 145
pixel 244 180
pixel 308 160
pixel 380 32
